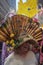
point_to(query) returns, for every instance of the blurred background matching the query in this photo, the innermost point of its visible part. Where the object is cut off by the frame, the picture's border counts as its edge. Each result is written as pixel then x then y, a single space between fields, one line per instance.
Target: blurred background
pixel 5 6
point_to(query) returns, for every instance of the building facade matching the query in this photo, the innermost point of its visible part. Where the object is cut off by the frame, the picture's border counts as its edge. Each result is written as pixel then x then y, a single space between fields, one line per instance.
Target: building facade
pixel 5 5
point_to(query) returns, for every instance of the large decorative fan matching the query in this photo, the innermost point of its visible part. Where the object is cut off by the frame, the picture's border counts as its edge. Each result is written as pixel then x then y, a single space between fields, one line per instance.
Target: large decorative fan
pixel 19 29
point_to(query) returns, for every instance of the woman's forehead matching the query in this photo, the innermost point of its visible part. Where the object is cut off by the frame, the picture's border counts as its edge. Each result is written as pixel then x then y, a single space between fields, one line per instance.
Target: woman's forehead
pixel 25 44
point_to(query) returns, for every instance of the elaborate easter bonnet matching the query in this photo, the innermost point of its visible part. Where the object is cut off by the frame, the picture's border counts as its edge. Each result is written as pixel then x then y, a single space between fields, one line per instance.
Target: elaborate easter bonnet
pixel 19 29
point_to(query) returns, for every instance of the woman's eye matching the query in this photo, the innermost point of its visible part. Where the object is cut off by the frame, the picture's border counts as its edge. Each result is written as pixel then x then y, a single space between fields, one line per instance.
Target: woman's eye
pixel 25 47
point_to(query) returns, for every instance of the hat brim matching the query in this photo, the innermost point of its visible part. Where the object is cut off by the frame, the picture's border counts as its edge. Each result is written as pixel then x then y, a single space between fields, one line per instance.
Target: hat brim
pixel 31 41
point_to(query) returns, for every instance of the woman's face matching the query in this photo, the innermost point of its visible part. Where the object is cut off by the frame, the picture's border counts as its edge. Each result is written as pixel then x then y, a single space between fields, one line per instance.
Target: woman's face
pixel 23 49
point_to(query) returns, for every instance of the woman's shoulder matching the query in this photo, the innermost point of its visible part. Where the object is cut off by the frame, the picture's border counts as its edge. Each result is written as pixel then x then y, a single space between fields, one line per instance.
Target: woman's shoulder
pixel 10 57
pixel 31 56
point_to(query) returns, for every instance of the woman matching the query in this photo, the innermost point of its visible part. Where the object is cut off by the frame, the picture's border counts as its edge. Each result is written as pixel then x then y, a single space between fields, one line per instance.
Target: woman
pixel 21 56
pixel 19 30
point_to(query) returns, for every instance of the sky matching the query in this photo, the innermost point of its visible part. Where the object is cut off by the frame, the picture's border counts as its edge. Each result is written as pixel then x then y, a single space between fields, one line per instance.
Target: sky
pixel 17 3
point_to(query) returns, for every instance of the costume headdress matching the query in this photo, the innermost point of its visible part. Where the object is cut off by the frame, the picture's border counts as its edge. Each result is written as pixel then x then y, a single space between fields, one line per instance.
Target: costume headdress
pixel 19 29
pixel 27 8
